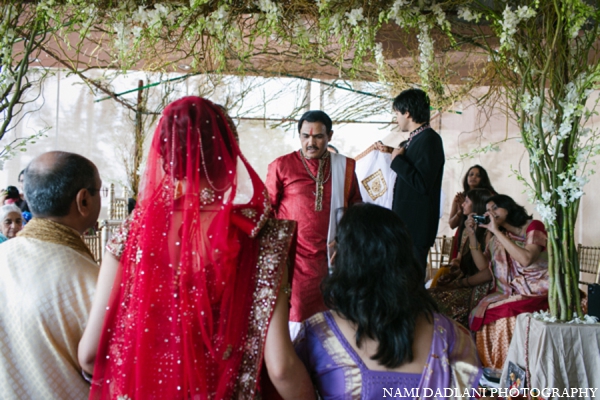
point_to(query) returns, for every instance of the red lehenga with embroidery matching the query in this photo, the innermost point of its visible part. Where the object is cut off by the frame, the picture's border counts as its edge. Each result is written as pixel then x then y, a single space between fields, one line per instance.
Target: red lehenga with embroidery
pixel 200 269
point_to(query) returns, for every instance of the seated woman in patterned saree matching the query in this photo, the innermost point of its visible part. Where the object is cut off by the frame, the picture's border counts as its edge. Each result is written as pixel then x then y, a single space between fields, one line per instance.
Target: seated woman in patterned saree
pixel 382 332
pixel 198 276
pixel 519 264
pixel 459 286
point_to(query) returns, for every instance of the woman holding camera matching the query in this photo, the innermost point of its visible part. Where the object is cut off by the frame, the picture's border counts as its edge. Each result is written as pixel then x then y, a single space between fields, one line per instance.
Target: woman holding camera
pixel 460 285
pixel 519 264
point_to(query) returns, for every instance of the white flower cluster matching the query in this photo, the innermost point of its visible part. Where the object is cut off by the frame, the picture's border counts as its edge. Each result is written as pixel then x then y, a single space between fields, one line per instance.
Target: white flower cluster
pixel 336 23
pixel 547 212
pixel 49 8
pixel 400 13
pixel 355 16
pixel 270 9
pixel 530 104
pixel 440 17
pixel 380 61
pixel 571 104
pixel 548 120
pixel 510 22
pixel 426 53
pixel 153 17
pixel 7 38
pixel 322 4
pixel 571 188
pixel 217 20
pixel 140 20
pixel 545 316
pixel 468 15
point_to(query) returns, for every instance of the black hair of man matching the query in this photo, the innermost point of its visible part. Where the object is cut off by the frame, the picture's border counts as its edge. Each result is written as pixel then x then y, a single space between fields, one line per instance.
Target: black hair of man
pixel 316 116
pixel 51 191
pixel 374 282
pixel 416 102
pixel 516 214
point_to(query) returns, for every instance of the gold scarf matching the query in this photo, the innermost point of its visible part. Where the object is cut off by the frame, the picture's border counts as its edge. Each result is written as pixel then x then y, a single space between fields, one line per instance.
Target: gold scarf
pixel 53 232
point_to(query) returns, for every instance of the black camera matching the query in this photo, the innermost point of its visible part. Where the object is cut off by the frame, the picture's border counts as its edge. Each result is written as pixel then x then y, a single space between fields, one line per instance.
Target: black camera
pixel 481 219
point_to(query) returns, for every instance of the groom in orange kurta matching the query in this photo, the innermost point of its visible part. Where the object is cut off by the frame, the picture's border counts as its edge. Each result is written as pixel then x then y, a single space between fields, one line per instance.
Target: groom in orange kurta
pixel 310 186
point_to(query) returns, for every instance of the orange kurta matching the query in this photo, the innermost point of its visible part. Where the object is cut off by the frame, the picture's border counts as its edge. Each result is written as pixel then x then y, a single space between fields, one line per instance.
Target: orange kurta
pixel 291 191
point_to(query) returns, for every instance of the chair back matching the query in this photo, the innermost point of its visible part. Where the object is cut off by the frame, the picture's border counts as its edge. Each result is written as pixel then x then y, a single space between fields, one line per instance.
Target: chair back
pixel 439 254
pixel 117 206
pixel 94 243
pixel 589 260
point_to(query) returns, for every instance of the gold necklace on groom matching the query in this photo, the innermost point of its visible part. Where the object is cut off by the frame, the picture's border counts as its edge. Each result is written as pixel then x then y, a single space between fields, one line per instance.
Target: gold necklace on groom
pixel 319 181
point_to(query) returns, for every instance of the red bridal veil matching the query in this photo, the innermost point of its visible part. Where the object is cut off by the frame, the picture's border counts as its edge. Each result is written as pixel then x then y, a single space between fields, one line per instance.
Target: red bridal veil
pixel 177 321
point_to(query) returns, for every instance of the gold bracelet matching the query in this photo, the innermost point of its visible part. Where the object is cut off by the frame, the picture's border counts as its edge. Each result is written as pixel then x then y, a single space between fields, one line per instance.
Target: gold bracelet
pixel 476 247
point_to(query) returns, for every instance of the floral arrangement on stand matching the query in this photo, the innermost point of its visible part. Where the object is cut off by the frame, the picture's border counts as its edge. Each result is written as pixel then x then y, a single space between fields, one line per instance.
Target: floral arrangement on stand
pixel 545 57
pixel 541 56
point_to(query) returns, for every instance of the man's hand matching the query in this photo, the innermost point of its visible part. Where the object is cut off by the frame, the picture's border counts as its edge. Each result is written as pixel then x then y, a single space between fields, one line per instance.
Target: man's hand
pixel 382 147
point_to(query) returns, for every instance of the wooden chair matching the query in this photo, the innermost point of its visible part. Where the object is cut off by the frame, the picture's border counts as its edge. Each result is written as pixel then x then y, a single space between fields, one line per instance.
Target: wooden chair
pixel 589 261
pixel 94 243
pixel 117 206
pixel 97 241
pixel 439 254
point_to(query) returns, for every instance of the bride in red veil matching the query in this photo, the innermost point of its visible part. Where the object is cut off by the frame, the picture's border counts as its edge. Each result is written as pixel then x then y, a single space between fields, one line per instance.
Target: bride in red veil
pixel 198 276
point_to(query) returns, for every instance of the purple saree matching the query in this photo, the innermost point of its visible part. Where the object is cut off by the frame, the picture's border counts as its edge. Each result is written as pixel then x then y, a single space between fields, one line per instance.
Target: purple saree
pixel 339 373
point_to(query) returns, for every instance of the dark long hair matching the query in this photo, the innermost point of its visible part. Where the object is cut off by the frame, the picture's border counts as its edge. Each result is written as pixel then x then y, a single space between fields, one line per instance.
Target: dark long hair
pixel 517 215
pixel 484 182
pixel 377 283
pixel 479 197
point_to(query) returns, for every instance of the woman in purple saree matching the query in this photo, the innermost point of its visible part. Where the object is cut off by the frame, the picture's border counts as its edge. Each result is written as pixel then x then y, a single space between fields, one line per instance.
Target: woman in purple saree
pixel 383 335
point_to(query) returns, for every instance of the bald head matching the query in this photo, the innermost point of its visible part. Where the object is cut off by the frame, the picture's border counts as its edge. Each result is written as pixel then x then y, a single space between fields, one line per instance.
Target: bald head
pixel 52 181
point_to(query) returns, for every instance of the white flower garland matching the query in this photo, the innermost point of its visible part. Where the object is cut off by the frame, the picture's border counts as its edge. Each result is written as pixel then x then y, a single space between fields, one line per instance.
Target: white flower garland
pixel 546 317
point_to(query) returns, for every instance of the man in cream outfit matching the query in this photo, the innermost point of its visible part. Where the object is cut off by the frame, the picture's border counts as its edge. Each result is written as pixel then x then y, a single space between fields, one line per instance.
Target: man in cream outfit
pixel 47 280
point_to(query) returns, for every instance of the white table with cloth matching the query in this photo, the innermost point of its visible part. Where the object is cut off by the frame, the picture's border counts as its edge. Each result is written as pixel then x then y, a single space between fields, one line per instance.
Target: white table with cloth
pixel 560 356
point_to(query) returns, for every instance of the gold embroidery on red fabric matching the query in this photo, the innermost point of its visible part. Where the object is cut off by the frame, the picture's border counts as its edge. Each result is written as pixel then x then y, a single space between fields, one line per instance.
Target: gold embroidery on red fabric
pixel 275 240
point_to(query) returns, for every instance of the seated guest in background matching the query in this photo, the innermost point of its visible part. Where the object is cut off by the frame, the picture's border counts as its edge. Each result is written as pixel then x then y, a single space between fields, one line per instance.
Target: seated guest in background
pixel 460 285
pixel 23 205
pixel 47 280
pixel 475 178
pixel 382 330
pixel 12 221
pixel 519 264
